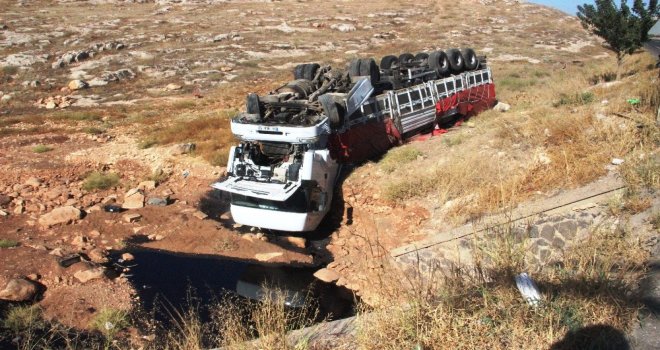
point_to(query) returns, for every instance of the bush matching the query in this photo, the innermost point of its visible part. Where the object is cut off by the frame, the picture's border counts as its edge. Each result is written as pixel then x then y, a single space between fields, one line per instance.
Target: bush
pixel 110 321
pixel 41 149
pixel 399 156
pixel 21 319
pixel 8 243
pixel 93 131
pixel 148 143
pixel 576 99
pixel 100 181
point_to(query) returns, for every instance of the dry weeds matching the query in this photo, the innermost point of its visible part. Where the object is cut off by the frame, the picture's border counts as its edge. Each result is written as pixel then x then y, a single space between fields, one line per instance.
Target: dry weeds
pixel 539 146
pixel 480 307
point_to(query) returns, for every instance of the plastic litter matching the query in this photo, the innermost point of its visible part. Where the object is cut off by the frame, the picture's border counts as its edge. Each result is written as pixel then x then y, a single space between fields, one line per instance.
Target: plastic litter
pixel 528 289
pixel 634 101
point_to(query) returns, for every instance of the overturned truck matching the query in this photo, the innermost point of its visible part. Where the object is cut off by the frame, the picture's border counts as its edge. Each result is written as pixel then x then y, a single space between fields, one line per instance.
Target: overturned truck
pixel 294 140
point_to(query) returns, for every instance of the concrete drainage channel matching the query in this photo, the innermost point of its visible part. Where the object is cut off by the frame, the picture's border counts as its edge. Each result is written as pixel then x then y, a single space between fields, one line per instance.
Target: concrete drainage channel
pixel 165 282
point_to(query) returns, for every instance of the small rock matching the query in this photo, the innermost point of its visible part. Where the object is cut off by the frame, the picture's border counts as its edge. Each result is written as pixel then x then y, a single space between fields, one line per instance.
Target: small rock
pixel 132 217
pixel 33 182
pixel 226 216
pixel 502 107
pixel 200 215
pixel 155 237
pixel 79 241
pixel 3 213
pixel 172 86
pixel 19 289
pixel 298 242
pixel 343 27
pixel 183 148
pixel 326 275
pixel 617 161
pixel 90 274
pixel 127 257
pixel 470 124
pixel 263 257
pixel 57 252
pixel 157 201
pixel 147 185
pixel 77 84
pixel 62 215
pixel 94 233
pixel 98 255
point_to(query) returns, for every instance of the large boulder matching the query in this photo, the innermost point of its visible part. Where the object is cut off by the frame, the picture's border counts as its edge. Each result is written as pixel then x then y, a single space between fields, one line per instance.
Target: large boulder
pixel 133 199
pixel 19 289
pixel 90 274
pixel 61 215
pixel 326 275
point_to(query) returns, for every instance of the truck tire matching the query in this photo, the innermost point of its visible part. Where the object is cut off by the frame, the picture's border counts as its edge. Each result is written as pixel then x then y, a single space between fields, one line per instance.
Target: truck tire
pixel 439 62
pixel 388 61
pixel 309 71
pixel 299 71
pixel 406 58
pixel 422 59
pixel 300 87
pixel 471 60
pixel 456 61
pixel 369 68
pixel 354 68
pixel 252 104
pixel 331 110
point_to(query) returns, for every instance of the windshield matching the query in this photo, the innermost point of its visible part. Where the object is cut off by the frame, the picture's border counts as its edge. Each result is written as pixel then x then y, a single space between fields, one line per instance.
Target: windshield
pixel 297 203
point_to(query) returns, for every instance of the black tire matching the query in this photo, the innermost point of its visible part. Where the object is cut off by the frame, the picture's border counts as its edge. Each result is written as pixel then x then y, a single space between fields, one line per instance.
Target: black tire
pixel 471 60
pixel 354 68
pixel 456 61
pixel 309 72
pixel 331 110
pixel 388 61
pixel 252 104
pixel 439 62
pixel 301 87
pixel 369 68
pixel 299 71
pixel 422 59
pixel 406 58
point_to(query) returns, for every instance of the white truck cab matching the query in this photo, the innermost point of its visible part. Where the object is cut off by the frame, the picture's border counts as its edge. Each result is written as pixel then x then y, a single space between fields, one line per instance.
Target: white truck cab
pixel 280 177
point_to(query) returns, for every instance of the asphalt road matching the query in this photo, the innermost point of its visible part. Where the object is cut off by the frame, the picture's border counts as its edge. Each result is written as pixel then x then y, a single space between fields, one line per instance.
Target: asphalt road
pixel 653 46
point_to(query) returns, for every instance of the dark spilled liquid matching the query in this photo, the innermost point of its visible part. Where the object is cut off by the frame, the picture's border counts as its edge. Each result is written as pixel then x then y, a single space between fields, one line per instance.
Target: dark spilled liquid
pixel 168 283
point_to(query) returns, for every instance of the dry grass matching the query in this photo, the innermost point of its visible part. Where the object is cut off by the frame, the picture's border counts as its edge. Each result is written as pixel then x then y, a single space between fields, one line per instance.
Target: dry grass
pixel 538 146
pixel 212 135
pixel 399 157
pixel 270 320
pixel 480 307
pixel 100 181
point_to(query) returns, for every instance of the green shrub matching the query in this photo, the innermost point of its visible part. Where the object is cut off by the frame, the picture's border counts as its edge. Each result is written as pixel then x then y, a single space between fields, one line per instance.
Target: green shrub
pixel 9 70
pixel 41 149
pixel 399 156
pixel 23 318
pixel 110 321
pixel 93 131
pixel 576 99
pixel 100 181
pixel 8 243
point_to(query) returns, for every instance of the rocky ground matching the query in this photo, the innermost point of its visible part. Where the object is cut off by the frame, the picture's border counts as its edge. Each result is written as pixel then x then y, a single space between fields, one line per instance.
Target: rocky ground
pixel 87 79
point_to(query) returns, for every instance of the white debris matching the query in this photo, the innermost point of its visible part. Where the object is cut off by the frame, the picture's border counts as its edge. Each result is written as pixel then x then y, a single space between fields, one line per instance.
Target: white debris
pixel 617 161
pixel 528 289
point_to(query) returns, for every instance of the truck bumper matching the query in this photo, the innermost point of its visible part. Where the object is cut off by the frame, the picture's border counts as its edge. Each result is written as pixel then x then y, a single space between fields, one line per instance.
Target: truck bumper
pixel 276 220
